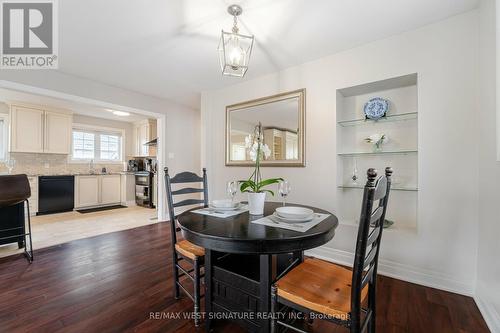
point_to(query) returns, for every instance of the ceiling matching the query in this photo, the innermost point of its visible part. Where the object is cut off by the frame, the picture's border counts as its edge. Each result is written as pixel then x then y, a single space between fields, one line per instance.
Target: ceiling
pixel 167 49
pixel 7 95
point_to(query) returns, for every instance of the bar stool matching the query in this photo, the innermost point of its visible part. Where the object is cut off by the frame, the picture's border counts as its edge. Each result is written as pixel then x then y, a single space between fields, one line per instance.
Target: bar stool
pixel 15 191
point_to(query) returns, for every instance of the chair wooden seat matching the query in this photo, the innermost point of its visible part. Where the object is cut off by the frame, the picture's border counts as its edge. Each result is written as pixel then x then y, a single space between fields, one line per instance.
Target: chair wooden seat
pixel 189 250
pixel 320 286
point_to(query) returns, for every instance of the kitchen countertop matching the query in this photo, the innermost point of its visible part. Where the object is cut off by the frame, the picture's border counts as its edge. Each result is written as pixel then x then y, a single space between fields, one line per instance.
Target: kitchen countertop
pixel 81 174
pixel 73 174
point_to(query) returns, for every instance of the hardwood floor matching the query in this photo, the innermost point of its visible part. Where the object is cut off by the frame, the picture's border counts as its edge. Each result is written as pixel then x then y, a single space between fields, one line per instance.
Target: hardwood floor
pixel 116 282
pixel 53 229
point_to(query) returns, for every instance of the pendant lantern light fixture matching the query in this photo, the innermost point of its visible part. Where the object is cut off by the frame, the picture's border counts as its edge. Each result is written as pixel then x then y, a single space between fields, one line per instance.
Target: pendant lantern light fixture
pixel 234 48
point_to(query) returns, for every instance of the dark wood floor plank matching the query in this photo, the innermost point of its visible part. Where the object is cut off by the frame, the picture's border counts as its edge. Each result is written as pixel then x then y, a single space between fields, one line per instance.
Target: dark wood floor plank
pixel 114 282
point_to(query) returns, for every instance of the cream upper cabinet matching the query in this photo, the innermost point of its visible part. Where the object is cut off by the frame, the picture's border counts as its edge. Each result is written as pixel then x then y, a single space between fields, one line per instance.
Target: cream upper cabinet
pixel 33 130
pixel 110 189
pixel 145 131
pixel 26 130
pixel 87 191
pixel 143 137
pixel 57 133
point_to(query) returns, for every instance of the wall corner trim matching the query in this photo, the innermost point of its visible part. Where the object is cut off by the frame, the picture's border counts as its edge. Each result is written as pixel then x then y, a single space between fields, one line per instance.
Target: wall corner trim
pixel 399 271
pixel 487 309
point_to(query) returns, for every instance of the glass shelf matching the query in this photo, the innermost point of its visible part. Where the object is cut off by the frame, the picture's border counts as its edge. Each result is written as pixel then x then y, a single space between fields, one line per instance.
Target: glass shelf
pixel 395 187
pixel 388 118
pixel 388 152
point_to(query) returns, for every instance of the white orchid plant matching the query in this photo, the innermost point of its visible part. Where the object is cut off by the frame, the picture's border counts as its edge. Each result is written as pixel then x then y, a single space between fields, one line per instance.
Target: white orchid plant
pixel 258 150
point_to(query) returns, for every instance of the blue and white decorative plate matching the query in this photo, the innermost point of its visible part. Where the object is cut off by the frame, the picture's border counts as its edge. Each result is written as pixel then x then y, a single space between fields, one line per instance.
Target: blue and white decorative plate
pixel 376 108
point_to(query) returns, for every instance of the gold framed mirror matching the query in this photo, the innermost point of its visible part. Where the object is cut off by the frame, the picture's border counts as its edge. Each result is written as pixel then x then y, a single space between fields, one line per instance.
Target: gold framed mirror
pixel 283 121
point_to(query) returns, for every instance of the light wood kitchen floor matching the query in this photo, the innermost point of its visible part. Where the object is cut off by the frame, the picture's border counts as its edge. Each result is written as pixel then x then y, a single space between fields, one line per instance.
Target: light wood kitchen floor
pixel 60 228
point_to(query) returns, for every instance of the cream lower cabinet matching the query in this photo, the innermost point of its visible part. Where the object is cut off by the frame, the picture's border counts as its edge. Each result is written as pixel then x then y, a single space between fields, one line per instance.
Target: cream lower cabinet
pixel 128 190
pixel 98 190
pixel 33 200
pixel 87 191
pixel 110 189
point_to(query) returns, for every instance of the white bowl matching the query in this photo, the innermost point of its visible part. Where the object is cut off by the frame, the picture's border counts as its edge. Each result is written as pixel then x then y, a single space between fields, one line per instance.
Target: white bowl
pixel 224 203
pixel 291 212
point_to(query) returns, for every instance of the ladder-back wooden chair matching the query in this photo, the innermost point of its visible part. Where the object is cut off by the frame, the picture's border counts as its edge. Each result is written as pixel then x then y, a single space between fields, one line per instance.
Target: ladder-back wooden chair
pixel 326 290
pixel 183 249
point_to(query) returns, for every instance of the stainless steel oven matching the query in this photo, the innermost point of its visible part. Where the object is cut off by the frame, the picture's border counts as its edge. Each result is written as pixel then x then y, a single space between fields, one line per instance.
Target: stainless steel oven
pixel 144 189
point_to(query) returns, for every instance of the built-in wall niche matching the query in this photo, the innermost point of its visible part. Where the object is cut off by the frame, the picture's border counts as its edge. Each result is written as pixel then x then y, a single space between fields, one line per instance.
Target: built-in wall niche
pixel 400 151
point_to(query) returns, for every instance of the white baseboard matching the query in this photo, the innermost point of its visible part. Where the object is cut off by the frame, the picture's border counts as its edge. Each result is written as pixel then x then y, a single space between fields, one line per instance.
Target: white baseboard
pixel 487 309
pixel 399 271
pixel 129 203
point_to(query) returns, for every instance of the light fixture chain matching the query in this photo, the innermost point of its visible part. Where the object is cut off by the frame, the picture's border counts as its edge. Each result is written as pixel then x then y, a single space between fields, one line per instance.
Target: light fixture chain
pixel 235 24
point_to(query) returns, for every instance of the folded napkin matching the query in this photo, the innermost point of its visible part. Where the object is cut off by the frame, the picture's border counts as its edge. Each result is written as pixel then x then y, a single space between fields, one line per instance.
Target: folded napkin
pixel 210 211
pixel 271 221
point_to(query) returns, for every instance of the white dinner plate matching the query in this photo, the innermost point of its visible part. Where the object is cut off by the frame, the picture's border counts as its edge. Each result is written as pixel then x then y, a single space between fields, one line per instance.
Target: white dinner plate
pixel 293 220
pixel 225 203
pixel 293 212
pixel 226 209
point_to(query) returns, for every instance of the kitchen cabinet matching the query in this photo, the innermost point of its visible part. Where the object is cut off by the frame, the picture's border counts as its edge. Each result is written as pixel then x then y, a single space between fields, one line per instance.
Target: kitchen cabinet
pixel 26 130
pixel 97 190
pixel 145 131
pixel 33 200
pixel 110 189
pixel 34 130
pixel 57 133
pixel 87 190
pixel 128 189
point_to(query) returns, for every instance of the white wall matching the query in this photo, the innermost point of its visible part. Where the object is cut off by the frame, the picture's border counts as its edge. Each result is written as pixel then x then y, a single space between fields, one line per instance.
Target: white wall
pixel 442 251
pixel 488 265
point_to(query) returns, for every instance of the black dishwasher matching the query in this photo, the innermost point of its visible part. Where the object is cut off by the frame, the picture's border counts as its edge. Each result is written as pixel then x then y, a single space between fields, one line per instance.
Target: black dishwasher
pixel 56 194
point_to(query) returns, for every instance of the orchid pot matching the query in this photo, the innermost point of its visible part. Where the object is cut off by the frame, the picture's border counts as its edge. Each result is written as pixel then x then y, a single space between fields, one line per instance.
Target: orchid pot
pixel 256 203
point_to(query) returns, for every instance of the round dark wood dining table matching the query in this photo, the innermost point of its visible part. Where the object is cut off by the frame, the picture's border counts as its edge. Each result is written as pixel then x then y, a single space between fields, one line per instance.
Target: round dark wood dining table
pixel 243 259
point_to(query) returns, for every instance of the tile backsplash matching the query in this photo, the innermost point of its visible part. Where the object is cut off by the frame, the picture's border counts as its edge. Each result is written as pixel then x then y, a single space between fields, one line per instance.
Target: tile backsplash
pixel 50 164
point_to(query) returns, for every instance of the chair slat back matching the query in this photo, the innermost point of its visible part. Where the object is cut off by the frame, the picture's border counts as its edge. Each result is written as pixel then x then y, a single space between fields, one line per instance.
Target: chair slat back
pixel 184 178
pixel 376 193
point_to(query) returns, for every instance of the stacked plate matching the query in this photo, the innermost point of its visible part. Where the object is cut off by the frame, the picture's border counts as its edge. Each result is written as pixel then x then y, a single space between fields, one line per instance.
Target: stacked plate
pixel 291 214
pixel 225 205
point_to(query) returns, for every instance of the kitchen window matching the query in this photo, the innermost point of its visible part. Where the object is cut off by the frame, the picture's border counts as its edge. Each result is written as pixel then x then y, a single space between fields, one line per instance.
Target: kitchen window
pixel 83 145
pixel 110 147
pixel 97 145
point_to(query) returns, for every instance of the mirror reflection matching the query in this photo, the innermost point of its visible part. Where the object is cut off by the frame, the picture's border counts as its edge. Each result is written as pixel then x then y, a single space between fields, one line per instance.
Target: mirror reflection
pixel 282 120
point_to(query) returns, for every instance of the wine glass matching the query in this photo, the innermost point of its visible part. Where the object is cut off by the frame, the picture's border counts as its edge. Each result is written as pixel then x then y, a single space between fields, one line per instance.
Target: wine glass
pixel 10 163
pixel 284 189
pixel 232 188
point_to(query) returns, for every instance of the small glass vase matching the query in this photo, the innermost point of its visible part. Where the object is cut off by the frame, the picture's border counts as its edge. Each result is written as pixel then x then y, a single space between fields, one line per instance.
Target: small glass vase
pixel 377 148
pixel 256 203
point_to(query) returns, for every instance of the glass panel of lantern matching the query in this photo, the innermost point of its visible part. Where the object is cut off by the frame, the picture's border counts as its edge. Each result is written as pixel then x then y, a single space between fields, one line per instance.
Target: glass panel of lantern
pixel 234 53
